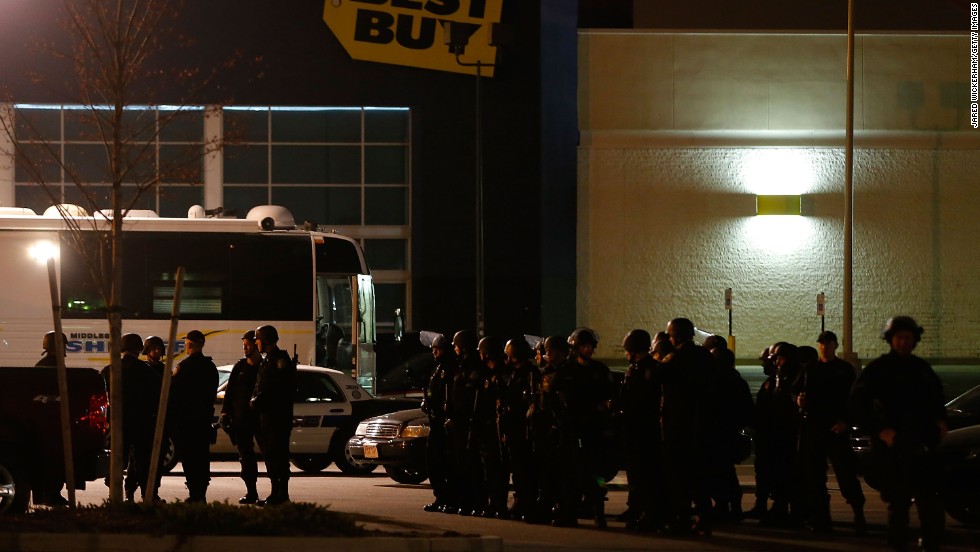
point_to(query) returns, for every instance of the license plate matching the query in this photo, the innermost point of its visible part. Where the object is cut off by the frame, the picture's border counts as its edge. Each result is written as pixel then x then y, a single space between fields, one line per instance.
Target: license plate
pixel 370 451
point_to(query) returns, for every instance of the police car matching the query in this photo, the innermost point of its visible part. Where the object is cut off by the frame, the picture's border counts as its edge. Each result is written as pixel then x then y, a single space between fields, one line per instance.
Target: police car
pixel 327 407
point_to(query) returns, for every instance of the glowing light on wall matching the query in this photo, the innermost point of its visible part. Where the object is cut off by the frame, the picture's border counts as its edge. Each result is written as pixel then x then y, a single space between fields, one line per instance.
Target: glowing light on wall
pixel 778 205
pixel 779 235
pixel 778 171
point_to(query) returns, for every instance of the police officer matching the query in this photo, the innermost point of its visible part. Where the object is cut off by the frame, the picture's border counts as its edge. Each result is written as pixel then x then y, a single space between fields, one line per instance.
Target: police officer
pixel 546 419
pixel 690 426
pixel 493 454
pixel 584 385
pixel 154 349
pixel 192 394
pixel 517 399
pixel 48 356
pixel 48 490
pixel 141 395
pixel 238 419
pixel 465 392
pixel 822 389
pixel 272 401
pixel 640 418
pixel 436 405
pixel 898 399
pixel 777 431
pixel 737 412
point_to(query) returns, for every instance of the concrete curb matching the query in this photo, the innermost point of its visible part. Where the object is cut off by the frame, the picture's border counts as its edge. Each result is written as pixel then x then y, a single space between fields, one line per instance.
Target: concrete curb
pixel 114 542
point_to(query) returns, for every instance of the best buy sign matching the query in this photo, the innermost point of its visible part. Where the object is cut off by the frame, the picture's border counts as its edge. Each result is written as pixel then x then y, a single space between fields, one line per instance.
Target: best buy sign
pixel 410 32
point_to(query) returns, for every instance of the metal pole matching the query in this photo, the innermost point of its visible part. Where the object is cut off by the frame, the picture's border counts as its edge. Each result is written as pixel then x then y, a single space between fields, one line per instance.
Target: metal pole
pixel 479 204
pixel 151 484
pixel 849 354
pixel 59 345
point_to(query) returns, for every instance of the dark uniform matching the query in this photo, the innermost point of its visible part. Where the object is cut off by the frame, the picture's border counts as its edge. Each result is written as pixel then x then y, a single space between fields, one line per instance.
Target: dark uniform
pixel 827 386
pixel 691 432
pixel 903 393
pixel 239 421
pixel 776 434
pixel 736 412
pixel 141 397
pixel 438 451
pixel 272 401
pixel 642 440
pixel 545 422
pixel 489 435
pixel 192 395
pixel 465 391
pixel 517 396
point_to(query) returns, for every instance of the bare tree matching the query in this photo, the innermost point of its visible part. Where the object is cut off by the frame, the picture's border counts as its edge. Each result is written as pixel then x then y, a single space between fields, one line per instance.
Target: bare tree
pixel 122 53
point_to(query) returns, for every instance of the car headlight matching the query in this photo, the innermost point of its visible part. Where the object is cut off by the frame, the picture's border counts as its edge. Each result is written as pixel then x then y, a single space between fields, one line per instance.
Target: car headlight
pixel 415 431
pixel 361 429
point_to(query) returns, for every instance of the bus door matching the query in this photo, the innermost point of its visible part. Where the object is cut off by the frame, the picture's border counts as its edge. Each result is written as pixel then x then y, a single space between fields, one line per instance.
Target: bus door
pixel 365 332
pixel 346 325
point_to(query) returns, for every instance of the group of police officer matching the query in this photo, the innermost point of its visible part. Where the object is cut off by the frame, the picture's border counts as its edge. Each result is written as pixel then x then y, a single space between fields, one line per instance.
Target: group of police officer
pixel 678 416
pixel 258 406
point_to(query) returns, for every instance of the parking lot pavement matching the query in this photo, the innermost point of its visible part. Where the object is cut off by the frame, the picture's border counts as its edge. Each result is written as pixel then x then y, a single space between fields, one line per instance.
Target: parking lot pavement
pixel 380 503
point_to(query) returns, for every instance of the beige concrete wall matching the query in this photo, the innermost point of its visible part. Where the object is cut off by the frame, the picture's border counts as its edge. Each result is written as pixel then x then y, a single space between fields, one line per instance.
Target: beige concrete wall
pixel 670 164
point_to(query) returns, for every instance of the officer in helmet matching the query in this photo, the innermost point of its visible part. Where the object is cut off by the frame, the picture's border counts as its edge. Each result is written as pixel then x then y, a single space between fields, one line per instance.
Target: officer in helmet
pixel 48 492
pixel 237 417
pixel 467 385
pixel 898 400
pixel 192 394
pixel 272 401
pixel 48 357
pixel 690 428
pixel 640 417
pixel 436 404
pixel 584 385
pixel 517 399
pixel 547 415
pixel 154 349
pixel 487 426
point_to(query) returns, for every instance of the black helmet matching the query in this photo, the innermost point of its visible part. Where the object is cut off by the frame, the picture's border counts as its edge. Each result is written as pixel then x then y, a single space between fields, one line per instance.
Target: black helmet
pixel 248 336
pixel 47 343
pixel 153 342
pixel 582 336
pixel 556 343
pixel 713 342
pixel 897 324
pixel 519 349
pixel 683 328
pixel 637 341
pixel 465 340
pixel 440 342
pixel 491 347
pixel 132 343
pixel 267 333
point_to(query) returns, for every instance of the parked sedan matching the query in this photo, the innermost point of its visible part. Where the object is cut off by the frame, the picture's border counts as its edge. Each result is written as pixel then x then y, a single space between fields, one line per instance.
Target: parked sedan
pixel 327 407
pixel 396 441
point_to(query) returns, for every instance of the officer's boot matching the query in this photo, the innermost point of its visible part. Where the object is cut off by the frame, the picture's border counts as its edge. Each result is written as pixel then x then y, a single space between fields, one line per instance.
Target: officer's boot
pixel 860 523
pixel 251 494
pixel 197 493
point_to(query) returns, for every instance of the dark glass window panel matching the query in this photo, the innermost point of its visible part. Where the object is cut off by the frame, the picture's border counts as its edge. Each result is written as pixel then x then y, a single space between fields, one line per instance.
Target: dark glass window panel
pixel 80 294
pixel 37 124
pixel 316 164
pixel 386 125
pixel 388 297
pixel 246 164
pixel 342 125
pixel 95 196
pixel 386 206
pixel 176 200
pixel 88 163
pixel 245 126
pixel 182 163
pixel 82 124
pixel 385 165
pixel 139 126
pixel 184 125
pixel 386 254
pixel 38 162
pixel 337 256
pixel 340 206
pixel 240 199
pixel 34 197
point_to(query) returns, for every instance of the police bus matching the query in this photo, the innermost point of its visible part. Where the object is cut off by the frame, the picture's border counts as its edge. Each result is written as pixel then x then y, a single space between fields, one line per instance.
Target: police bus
pixel 314 286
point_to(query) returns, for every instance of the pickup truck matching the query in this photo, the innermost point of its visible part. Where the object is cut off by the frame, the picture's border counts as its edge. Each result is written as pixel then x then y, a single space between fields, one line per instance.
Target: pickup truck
pixel 30 430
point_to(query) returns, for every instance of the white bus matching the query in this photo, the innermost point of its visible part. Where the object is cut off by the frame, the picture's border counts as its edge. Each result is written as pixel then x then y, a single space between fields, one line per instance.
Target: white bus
pixel 314 287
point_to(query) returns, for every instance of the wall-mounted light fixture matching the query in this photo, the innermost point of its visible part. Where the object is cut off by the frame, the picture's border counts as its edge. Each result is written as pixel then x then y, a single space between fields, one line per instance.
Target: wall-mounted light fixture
pixel 778 205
